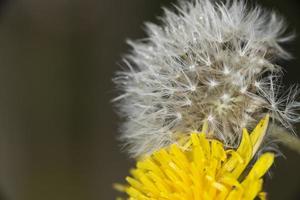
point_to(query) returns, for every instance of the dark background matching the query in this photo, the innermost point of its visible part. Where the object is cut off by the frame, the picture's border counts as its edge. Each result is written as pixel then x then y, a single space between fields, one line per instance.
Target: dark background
pixel 57 125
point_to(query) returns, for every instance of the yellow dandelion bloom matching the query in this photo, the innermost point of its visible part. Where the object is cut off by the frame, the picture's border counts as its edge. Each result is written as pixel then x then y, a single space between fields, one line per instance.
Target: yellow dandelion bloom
pixel 202 170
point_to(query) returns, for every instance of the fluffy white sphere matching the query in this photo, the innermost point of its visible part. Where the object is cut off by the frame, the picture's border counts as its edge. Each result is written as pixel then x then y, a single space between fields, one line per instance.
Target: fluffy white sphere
pixel 209 62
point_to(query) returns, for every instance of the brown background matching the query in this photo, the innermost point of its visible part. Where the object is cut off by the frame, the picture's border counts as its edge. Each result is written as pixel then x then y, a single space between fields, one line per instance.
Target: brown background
pixel 57 126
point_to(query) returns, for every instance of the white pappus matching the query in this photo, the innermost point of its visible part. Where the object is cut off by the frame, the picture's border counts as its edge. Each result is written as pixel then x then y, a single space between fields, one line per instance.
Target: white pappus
pixel 206 61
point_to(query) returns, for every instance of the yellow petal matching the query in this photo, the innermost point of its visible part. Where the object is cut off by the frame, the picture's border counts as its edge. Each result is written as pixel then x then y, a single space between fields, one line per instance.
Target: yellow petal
pixel 259 133
pixel 245 151
pixel 261 166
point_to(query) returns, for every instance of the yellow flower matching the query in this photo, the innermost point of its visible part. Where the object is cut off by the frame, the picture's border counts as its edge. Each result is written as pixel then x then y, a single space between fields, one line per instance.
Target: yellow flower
pixel 203 169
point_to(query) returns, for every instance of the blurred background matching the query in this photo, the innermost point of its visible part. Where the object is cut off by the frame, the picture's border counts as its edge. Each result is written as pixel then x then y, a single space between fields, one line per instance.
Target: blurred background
pixel 58 128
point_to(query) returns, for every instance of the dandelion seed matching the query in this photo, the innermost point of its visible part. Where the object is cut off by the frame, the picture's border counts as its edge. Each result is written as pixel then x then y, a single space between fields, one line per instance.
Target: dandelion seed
pixel 212 83
pixel 257 84
pixel 226 71
pixel 179 115
pixel 261 61
pixel 210 118
pixel 243 90
pixel 192 67
pixel 225 97
pixel 193 88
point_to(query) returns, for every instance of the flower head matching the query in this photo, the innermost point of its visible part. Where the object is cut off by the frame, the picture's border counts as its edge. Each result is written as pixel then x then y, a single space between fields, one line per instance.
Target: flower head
pixel 202 169
pixel 208 63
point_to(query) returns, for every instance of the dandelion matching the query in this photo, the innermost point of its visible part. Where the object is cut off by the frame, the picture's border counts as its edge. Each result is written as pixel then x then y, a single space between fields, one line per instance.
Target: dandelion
pixel 207 62
pixel 203 169
pixel 192 89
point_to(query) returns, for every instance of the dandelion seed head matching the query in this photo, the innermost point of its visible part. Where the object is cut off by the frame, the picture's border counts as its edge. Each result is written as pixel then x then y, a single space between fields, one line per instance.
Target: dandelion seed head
pixel 205 61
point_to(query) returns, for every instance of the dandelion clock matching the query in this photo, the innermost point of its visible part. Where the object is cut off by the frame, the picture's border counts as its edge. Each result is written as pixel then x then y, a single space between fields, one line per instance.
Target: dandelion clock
pixel 203 104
